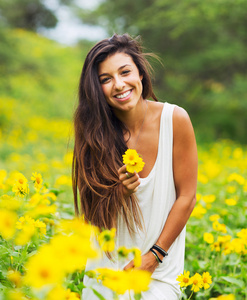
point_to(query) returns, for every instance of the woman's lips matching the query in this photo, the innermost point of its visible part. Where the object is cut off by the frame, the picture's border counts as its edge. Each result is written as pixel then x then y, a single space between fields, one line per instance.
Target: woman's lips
pixel 123 96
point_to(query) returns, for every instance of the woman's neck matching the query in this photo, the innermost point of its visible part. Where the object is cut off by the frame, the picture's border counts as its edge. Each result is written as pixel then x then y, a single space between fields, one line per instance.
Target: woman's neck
pixel 134 118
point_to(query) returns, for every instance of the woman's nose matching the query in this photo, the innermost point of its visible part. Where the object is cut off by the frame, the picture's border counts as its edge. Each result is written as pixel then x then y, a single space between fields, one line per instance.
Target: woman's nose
pixel 119 84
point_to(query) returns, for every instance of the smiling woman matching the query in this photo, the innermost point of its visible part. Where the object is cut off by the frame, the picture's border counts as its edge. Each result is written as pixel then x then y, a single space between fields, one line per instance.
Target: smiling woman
pixel 121 82
pixel 149 209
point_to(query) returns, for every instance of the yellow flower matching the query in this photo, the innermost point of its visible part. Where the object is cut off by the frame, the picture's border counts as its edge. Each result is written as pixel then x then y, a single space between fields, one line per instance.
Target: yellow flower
pixel 206 280
pixel 184 279
pixel 116 280
pixel 20 187
pixel 133 162
pixel 3 174
pixel 208 238
pixel 24 236
pixel 71 295
pixel 28 227
pixel 7 223
pixel 123 252
pixel 122 281
pixel 39 205
pixel 196 282
pixel 37 180
pixel 215 246
pixel 231 202
pixel 224 239
pixel 41 226
pixel 26 220
pixel 58 292
pixel 219 227
pixel 10 203
pixel 137 257
pixel 63 180
pixel 202 178
pixel 209 198
pixel 243 234
pixel 107 240
pixel 138 280
pixel 75 251
pixel 77 226
pixel 236 177
pixel 231 189
pixel 16 295
pixel 14 277
pixel 238 246
pixel 43 269
pixel 213 218
pixel 198 211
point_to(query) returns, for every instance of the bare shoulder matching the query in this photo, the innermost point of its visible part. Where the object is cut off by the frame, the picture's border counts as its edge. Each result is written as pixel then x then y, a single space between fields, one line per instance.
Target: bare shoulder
pixel 180 116
pixel 182 125
pixel 183 132
pixel 155 109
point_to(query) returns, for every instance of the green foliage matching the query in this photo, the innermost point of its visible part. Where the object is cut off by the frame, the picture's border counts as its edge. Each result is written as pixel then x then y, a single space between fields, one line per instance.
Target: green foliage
pixel 203 47
pixel 38 91
pixel 28 14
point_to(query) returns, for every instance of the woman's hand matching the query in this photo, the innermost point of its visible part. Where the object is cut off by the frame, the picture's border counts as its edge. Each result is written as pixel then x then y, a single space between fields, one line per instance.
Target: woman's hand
pixel 130 181
pixel 149 263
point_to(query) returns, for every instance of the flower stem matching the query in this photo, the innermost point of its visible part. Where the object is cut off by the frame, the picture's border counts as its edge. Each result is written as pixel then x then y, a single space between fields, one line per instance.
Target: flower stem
pixel 191 295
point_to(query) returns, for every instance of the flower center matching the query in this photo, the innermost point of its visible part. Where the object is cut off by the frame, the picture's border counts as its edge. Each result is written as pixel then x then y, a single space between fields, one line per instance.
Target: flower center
pixel 44 273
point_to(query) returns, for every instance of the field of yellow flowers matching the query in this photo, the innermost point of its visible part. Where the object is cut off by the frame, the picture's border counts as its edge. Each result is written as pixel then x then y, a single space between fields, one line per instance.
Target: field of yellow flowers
pixel 36 202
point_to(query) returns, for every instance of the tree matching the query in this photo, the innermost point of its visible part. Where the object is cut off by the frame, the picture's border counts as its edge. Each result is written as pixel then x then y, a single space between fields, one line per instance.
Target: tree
pixel 203 47
pixel 27 14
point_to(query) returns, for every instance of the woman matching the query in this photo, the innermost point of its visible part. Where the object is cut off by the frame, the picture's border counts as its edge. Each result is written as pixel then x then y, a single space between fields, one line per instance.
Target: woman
pixel 149 208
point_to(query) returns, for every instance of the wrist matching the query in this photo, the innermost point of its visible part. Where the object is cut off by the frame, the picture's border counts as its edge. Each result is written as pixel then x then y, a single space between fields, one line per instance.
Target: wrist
pixel 158 252
pixel 153 259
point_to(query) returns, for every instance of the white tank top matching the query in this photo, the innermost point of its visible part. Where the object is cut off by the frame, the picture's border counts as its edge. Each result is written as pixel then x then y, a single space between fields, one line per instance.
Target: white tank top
pixel 156 195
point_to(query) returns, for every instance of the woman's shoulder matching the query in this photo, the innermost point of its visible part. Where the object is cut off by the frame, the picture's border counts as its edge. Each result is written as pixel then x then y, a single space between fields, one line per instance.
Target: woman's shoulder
pixel 180 116
pixel 182 126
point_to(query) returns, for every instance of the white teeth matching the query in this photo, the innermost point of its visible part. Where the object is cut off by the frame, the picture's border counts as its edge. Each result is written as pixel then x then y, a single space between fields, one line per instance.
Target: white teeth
pixel 123 95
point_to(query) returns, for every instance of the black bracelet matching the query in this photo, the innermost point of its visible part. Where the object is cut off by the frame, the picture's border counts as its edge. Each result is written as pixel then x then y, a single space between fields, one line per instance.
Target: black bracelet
pixel 160 250
pixel 156 255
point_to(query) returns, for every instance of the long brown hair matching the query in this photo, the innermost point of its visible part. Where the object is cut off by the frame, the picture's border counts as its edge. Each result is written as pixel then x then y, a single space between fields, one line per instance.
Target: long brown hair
pixel 99 140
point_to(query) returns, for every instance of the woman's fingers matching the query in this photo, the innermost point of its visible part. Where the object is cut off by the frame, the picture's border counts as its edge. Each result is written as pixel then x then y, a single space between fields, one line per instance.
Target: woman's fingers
pixel 129 266
pixel 130 181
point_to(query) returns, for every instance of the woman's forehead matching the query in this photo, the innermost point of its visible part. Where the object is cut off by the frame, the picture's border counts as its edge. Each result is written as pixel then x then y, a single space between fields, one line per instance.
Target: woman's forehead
pixel 115 61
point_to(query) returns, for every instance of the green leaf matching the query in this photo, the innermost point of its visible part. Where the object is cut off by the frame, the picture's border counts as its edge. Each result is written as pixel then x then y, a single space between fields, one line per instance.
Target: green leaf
pixel 98 294
pixel 233 280
pixel 137 296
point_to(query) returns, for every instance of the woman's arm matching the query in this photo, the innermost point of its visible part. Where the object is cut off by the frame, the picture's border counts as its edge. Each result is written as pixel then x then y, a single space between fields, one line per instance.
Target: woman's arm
pixel 185 178
pixel 185 163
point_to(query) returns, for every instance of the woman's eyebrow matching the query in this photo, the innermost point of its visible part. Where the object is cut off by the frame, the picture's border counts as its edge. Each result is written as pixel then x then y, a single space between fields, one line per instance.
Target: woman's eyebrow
pixel 120 68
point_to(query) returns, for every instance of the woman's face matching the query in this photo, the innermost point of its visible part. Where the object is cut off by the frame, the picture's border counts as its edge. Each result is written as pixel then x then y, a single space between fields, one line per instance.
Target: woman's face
pixel 120 81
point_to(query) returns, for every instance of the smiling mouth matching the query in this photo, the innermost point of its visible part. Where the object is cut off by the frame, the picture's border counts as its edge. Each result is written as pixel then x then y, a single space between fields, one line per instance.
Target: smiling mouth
pixel 124 95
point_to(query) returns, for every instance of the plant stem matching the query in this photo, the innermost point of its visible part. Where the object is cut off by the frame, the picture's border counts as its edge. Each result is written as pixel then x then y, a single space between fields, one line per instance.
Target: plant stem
pixel 191 295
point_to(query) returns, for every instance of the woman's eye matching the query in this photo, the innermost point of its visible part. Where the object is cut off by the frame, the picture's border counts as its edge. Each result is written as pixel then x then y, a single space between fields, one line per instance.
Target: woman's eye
pixel 104 80
pixel 126 72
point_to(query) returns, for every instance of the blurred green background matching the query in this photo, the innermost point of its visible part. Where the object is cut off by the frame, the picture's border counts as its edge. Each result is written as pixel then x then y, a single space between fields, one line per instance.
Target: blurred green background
pixel 202 46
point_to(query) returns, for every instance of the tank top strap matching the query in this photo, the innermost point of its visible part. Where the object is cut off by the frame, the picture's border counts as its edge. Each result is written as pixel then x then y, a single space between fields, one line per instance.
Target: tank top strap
pixel 166 131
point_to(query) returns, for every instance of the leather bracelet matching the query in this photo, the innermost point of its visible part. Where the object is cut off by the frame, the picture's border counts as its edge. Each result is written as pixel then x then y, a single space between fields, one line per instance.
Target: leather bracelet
pixel 160 250
pixel 156 256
